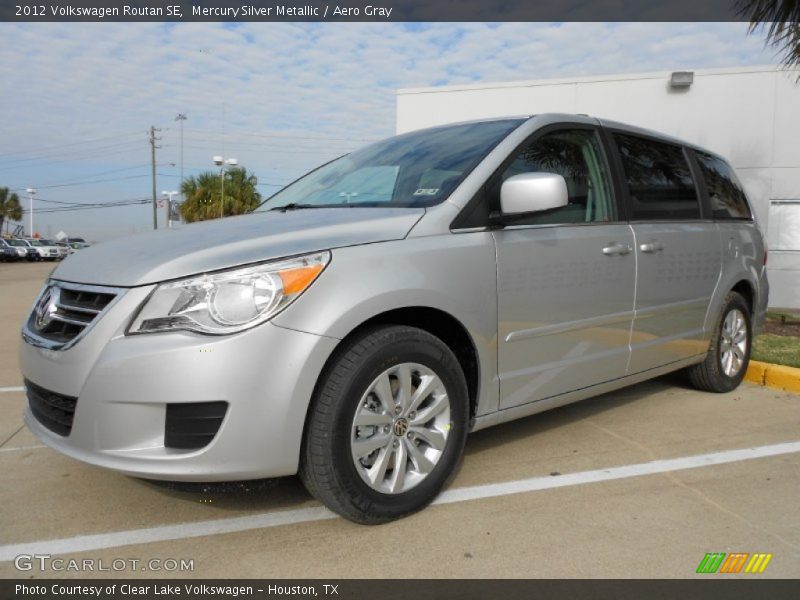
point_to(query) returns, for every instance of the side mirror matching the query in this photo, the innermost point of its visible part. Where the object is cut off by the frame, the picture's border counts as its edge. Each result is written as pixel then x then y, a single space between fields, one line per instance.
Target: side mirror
pixel 533 192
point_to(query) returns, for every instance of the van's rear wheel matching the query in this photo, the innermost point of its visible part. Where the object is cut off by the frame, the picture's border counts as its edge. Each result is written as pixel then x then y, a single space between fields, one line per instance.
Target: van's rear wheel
pixel 729 353
pixel 387 426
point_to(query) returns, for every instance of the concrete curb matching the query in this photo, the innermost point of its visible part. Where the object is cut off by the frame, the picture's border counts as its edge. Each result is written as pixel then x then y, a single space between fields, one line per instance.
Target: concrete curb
pixel 774 376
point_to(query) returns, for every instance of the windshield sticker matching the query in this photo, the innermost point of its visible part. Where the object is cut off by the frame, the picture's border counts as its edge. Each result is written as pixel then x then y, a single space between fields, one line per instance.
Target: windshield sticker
pixel 426 192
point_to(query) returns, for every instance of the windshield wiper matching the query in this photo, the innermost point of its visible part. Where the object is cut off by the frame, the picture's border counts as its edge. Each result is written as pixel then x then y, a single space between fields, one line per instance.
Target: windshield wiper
pixel 294 206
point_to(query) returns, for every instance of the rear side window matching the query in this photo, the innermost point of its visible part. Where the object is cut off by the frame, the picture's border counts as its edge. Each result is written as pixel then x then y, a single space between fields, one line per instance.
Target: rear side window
pixel 725 193
pixel 659 180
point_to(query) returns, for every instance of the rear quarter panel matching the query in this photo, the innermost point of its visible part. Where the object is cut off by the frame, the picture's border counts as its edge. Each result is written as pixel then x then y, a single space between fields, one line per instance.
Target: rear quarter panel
pixel 742 260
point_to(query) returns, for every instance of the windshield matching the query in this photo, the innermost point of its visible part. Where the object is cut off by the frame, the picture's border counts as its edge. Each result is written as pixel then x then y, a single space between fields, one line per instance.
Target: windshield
pixel 415 169
pixel 34 242
pixel 15 243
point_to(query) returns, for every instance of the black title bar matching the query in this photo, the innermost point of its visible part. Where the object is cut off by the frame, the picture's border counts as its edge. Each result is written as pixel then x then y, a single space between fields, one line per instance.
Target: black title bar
pixel 710 588
pixel 378 11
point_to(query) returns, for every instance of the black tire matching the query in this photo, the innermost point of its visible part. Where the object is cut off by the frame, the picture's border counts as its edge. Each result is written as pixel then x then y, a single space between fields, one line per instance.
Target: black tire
pixel 709 375
pixel 326 465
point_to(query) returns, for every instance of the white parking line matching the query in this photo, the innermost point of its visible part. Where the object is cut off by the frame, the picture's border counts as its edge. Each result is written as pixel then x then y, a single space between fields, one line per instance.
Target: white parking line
pixel 4 390
pixel 84 543
pixel 20 448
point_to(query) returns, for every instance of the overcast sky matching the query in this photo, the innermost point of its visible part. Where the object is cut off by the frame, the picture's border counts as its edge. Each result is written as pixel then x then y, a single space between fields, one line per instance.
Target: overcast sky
pixel 78 99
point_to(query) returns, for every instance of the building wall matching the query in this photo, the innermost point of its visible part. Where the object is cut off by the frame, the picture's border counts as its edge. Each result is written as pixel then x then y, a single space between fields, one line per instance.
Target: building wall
pixel 749 115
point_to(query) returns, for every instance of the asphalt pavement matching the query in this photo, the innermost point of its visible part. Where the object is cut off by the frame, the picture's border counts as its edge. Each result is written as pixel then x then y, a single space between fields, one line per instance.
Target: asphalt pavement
pixel 642 482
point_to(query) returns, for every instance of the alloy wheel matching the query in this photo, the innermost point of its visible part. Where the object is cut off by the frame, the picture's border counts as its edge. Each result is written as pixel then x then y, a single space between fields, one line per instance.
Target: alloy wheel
pixel 733 342
pixel 400 428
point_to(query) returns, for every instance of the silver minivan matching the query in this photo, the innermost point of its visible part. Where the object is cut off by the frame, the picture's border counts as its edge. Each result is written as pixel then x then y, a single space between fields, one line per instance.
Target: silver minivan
pixel 368 316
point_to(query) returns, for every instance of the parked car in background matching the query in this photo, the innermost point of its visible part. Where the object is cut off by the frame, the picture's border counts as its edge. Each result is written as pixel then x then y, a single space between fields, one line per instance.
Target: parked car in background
pixel 31 252
pixel 8 253
pixel 17 252
pixel 65 248
pixel 367 317
pixel 45 250
pixel 75 246
pixel 62 251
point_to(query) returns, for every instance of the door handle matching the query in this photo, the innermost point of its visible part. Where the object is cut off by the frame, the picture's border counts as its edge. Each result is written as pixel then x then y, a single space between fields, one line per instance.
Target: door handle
pixel 651 247
pixel 615 248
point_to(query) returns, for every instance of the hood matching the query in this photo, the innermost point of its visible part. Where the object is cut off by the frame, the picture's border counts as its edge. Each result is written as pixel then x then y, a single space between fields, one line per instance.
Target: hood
pixel 212 245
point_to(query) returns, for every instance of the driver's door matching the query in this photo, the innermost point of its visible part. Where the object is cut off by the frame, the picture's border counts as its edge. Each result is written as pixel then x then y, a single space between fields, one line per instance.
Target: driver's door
pixel 566 277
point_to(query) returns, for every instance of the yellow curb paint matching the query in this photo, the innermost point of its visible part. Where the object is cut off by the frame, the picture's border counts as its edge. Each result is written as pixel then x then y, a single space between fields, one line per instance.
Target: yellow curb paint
pixel 774 376
pixel 756 372
pixel 783 378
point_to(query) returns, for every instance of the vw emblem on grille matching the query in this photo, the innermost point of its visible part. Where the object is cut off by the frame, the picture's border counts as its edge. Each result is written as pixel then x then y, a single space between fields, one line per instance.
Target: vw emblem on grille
pixel 45 307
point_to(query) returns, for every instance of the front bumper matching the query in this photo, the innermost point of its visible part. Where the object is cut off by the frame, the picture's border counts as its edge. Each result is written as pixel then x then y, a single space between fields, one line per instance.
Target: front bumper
pixel 124 384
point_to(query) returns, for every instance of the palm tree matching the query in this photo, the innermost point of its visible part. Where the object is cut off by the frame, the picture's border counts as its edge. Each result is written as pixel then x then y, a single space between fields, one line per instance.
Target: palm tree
pixel 202 195
pixel 10 208
pixel 781 19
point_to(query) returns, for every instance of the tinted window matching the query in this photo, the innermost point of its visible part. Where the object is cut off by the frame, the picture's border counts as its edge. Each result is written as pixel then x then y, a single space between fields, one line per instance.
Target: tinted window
pixel 659 181
pixel 415 169
pixel 725 193
pixel 577 157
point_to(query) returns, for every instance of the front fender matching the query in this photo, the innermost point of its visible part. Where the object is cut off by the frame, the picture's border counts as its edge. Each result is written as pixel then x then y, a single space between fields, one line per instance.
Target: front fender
pixel 454 273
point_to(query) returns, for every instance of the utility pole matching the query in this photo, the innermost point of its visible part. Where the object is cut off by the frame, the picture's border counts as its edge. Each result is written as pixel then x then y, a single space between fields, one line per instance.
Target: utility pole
pixel 181 118
pixel 153 140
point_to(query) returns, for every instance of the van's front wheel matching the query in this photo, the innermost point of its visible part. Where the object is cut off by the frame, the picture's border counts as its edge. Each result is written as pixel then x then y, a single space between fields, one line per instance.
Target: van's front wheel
pixel 729 353
pixel 387 425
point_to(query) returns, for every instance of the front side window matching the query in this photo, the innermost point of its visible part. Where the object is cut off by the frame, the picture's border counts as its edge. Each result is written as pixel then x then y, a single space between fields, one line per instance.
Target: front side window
pixel 725 193
pixel 420 168
pixel 576 156
pixel 660 184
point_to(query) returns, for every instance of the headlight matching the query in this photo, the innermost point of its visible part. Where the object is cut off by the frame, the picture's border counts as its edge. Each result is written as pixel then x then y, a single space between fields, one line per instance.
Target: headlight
pixel 229 301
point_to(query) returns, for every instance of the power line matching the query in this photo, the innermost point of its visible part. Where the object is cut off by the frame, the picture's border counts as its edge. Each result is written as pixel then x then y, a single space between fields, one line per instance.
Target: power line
pixel 73 158
pixel 269 184
pixel 49 148
pixel 289 136
pixel 79 151
pixel 61 209
pixel 278 143
pixel 45 187
pixel 70 181
pixel 328 152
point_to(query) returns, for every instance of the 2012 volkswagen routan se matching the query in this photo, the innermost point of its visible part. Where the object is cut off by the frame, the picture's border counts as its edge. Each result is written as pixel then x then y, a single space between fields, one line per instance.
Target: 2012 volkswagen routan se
pixel 368 316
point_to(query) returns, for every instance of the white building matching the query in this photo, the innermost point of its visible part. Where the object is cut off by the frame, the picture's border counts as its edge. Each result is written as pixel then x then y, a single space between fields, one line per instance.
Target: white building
pixel 751 115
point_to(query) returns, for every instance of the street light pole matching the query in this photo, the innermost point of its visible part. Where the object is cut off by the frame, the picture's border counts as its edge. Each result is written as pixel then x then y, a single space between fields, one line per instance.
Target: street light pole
pixel 222 163
pixel 31 194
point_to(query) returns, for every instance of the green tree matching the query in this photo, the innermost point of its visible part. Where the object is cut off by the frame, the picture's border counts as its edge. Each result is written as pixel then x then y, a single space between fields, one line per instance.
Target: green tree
pixel 202 195
pixel 781 20
pixel 10 208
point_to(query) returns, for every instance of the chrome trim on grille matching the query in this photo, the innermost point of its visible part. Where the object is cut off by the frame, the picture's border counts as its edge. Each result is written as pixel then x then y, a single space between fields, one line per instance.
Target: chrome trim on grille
pixel 94 315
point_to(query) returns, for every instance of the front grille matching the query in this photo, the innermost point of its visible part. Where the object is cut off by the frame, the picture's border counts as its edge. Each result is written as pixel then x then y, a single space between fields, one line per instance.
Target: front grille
pixel 64 311
pixel 192 425
pixel 54 411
